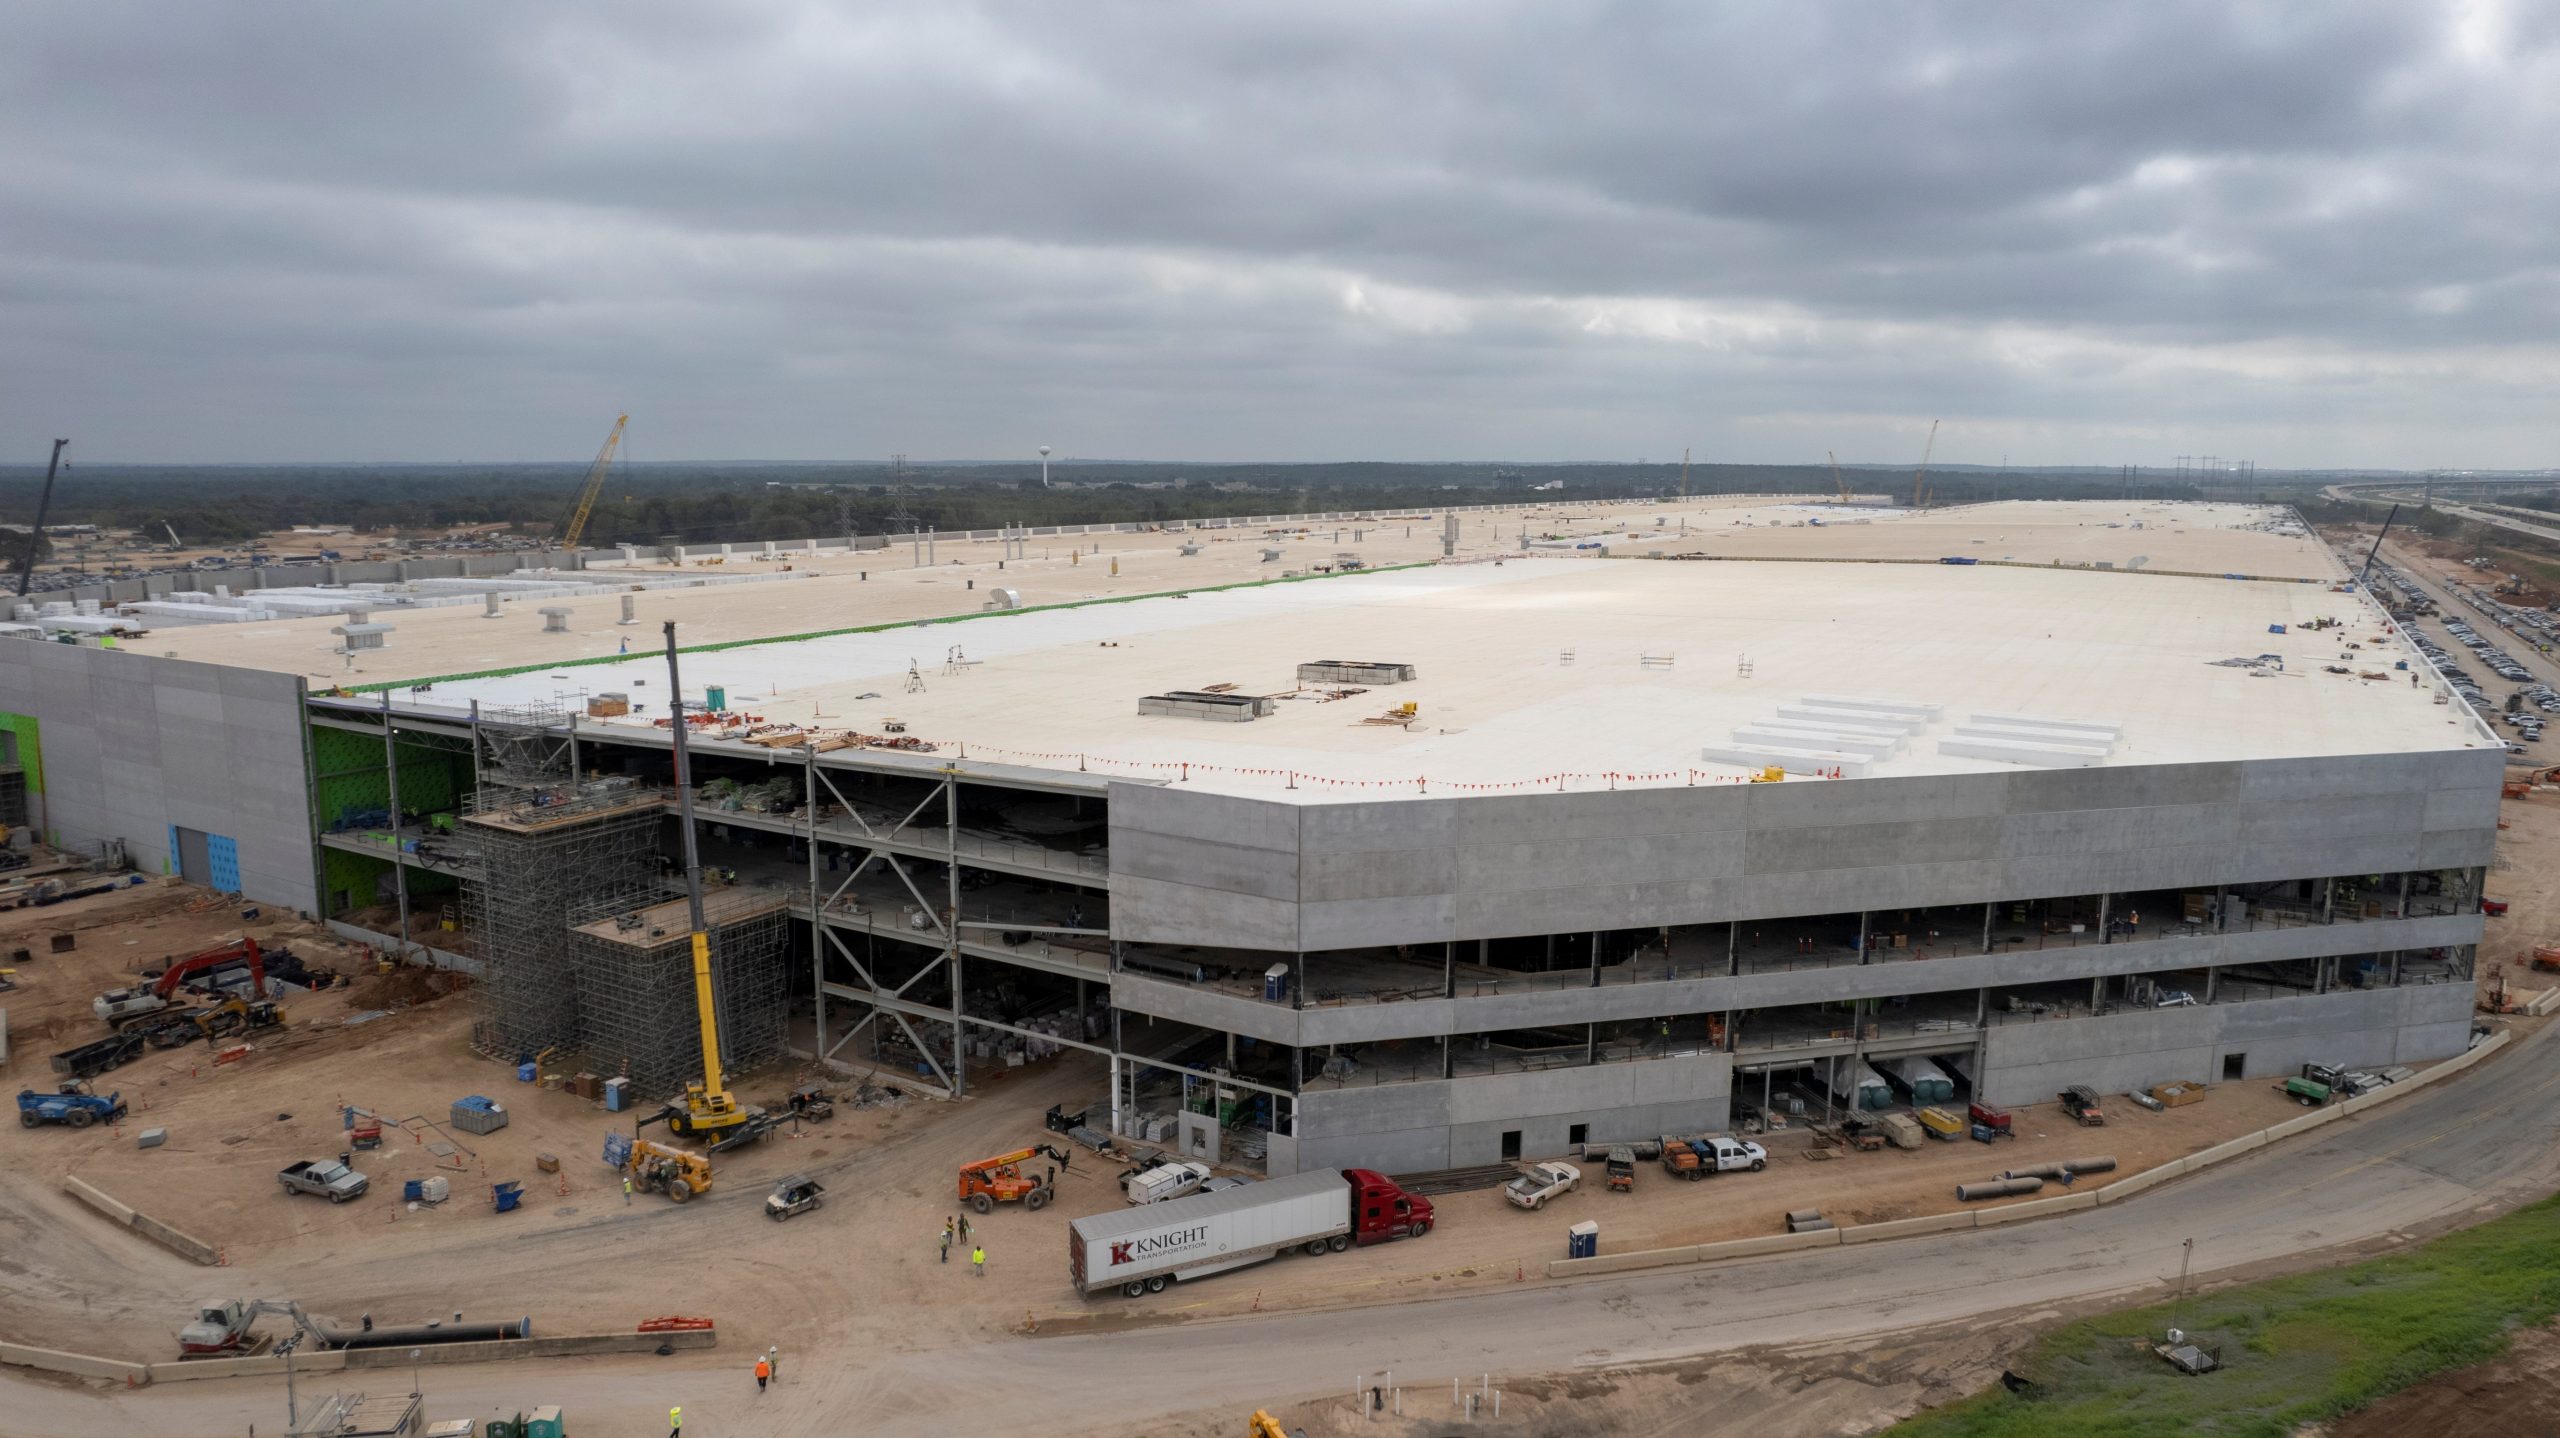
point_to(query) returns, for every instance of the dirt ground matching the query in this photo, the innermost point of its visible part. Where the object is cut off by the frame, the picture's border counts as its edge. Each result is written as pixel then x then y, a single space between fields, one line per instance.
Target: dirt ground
pixel 2519 1393
pixel 1805 1393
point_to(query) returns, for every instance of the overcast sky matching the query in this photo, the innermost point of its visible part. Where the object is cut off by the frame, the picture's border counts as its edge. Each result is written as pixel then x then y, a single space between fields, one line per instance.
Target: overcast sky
pixel 2309 234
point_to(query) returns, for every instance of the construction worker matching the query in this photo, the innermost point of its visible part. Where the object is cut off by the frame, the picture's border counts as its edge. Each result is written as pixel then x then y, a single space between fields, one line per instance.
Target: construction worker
pixel 946 1242
pixel 773 1358
pixel 764 1373
pixel 978 1259
pixel 964 1228
pixel 626 1190
pixel 675 1422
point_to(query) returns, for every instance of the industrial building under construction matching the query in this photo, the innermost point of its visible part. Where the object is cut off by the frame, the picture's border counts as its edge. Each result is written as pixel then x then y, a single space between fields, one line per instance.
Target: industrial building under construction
pixel 1510 833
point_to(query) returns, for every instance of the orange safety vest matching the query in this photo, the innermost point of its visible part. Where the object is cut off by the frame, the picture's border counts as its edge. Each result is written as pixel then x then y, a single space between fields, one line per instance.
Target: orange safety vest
pixel 763 1369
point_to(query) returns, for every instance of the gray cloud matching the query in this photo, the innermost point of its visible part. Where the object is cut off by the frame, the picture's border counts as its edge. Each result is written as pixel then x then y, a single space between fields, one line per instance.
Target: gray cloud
pixel 2316 234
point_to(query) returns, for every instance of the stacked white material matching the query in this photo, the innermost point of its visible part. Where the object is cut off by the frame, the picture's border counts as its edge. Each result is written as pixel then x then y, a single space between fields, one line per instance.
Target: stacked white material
pixel 1793 760
pixel 2029 739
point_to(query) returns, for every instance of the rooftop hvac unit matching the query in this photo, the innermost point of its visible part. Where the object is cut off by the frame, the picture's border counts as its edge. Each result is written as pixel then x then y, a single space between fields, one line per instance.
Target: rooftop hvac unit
pixel 363 636
pixel 1003 599
pixel 1355 671
pixel 1223 708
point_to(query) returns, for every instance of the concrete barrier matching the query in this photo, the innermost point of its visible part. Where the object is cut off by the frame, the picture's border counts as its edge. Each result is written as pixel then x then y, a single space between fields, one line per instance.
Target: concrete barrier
pixel 96 1198
pixel 2125 1188
pixel 54 1360
pixel 265 1365
pixel 2034 1208
pixel 1768 1243
pixel 194 1250
pixel 2305 1122
pixel 1906 1227
pixel 1631 1262
pixel 2221 1151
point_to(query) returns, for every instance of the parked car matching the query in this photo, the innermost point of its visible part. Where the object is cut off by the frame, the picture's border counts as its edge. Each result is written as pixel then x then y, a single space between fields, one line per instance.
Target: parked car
pixel 1543 1181
pixel 326 1177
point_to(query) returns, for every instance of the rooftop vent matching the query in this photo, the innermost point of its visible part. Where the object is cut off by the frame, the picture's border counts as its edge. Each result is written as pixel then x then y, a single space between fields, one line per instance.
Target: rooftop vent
pixel 1192 704
pixel 362 636
pixel 1355 671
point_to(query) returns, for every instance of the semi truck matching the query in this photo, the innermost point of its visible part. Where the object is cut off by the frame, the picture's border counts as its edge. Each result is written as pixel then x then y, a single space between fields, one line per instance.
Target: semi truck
pixel 1327 1210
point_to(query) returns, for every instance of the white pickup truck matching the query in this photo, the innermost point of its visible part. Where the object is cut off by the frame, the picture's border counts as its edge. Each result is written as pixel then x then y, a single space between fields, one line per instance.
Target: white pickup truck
pixel 1170 1180
pixel 1543 1181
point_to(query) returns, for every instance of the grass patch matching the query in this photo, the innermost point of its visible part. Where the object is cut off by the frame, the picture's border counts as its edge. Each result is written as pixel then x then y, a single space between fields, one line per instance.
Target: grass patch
pixel 2296 1350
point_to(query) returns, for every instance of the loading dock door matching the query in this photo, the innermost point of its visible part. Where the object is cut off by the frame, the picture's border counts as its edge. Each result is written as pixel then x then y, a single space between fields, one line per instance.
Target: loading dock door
pixel 194 853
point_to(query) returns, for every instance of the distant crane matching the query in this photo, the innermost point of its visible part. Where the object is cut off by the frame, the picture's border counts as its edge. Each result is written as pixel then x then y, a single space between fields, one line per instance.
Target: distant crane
pixel 175 543
pixel 2377 546
pixel 1920 476
pixel 1684 474
pixel 1835 475
pixel 44 506
pixel 595 482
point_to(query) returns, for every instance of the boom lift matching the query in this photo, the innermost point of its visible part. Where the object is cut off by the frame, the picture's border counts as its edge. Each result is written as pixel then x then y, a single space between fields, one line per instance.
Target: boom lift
pixel 595 483
pixel 709 1111
pixel 991 1181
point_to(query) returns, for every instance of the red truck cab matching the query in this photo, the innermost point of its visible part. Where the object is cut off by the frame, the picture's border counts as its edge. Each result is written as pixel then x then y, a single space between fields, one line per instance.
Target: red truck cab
pixel 1381 1211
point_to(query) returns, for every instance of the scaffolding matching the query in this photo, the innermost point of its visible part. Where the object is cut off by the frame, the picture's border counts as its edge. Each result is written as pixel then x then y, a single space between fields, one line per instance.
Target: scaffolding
pixel 550 858
pixel 635 978
pixel 525 745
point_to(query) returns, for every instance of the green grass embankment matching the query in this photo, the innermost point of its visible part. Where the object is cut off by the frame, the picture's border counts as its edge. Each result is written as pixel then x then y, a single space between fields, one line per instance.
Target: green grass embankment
pixel 2295 1350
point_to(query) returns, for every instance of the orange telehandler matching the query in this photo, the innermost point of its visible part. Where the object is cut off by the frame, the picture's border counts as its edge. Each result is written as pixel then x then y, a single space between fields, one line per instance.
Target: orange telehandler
pixel 991 1181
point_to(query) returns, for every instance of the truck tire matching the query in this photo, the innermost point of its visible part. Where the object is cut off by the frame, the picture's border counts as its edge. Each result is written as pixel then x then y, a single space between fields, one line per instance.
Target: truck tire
pixel 29 1118
pixel 1134 1288
pixel 679 1191
pixel 1314 1247
pixel 1156 1284
pixel 1036 1200
pixel 1758 1164
pixel 982 1203
pixel 1338 1242
pixel 337 1197
pixel 82 1118
pixel 1419 1229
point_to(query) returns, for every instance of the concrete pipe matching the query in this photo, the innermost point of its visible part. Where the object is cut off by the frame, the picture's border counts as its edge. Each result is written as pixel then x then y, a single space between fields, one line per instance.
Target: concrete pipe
pixel 2053 1171
pixel 1998 1188
pixel 1811 1225
pixel 2103 1164
pixel 365 1333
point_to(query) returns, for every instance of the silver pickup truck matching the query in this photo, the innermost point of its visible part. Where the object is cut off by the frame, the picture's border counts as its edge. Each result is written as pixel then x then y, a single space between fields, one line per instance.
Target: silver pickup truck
pixel 326 1177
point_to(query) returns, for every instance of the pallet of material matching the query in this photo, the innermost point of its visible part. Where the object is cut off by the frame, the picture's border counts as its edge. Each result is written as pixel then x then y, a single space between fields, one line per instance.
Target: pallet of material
pixel 2171 1095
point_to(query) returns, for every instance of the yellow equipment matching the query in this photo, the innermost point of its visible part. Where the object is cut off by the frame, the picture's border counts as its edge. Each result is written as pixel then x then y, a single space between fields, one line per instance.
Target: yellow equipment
pixel 679 1173
pixel 1835 475
pixel 708 1108
pixel 595 482
pixel 1771 774
pixel 1265 1426
pixel 1920 476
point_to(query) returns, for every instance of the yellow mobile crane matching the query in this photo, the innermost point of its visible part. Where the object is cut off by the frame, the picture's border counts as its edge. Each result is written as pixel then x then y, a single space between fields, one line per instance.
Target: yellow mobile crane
pixel 708 1109
pixel 595 482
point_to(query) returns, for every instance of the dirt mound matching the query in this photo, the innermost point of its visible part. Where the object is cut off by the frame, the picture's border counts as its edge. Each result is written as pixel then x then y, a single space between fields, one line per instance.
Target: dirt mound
pixel 405 987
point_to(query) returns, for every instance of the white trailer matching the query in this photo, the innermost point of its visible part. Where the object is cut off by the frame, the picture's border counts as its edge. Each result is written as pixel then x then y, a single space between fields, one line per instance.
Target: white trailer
pixel 1140 1250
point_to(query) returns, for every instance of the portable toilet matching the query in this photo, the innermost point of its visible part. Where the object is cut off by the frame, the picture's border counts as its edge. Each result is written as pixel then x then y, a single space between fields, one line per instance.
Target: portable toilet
pixel 716 698
pixel 1275 984
pixel 1582 1240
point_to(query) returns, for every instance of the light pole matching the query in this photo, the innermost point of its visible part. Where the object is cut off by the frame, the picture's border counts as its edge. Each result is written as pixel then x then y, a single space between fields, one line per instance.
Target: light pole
pixel 1044 466
pixel 415 1387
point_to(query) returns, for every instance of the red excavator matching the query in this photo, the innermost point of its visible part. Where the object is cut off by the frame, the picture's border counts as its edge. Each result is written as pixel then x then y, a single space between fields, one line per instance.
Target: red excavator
pixel 220 956
pixel 991 1181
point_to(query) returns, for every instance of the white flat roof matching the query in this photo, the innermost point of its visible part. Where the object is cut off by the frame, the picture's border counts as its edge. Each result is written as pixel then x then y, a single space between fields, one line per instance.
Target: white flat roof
pixel 1547 672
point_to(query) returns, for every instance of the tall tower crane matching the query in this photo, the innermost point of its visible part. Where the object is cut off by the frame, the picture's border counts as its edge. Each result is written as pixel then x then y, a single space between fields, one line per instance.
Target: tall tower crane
pixel 1684 474
pixel 1920 476
pixel 1835 475
pixel 595 482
